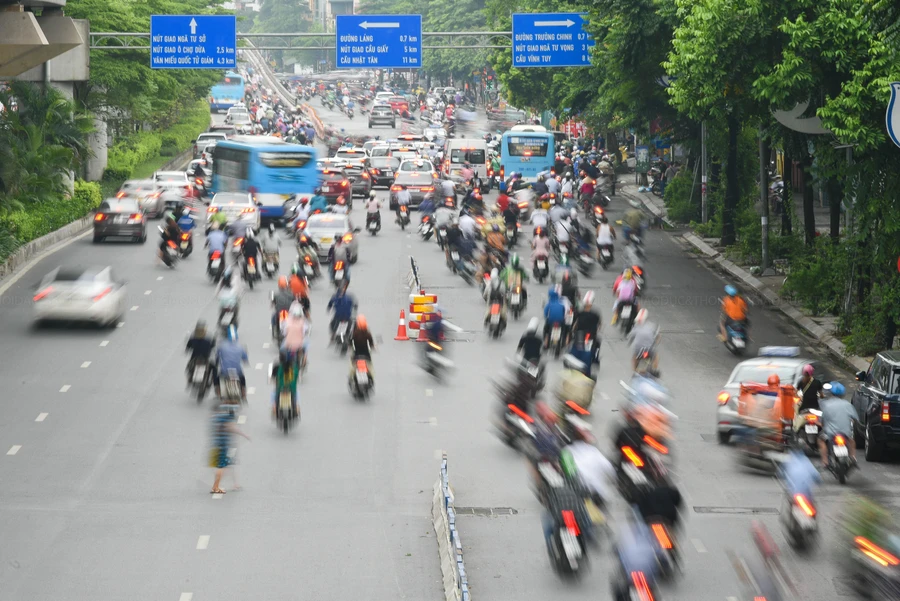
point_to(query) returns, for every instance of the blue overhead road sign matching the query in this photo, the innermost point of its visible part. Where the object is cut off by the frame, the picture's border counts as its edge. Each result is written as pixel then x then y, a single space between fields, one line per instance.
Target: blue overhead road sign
pixel 378 41
pixel 550 40
pixel 193 42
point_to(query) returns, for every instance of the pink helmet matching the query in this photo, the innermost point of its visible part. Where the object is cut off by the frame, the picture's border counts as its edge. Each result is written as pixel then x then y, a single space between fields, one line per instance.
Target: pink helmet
pixel 808 370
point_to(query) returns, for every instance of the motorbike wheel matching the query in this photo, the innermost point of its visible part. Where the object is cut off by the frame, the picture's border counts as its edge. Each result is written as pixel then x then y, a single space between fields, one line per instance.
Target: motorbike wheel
pixel 557 349
pixel 250 283
pixel 201 392
pixel 285 424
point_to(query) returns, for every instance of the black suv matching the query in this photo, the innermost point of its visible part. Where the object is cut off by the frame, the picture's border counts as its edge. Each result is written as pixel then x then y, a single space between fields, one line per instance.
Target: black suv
pixel 877 401
pixel 382 114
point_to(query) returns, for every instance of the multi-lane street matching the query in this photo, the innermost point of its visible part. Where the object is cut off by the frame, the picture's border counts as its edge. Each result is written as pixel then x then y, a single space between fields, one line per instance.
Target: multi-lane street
pixel 104 484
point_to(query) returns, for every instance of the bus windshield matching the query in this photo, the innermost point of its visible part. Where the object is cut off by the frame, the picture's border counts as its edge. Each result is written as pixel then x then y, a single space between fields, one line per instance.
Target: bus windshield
pixel 527 146
pixel 467 155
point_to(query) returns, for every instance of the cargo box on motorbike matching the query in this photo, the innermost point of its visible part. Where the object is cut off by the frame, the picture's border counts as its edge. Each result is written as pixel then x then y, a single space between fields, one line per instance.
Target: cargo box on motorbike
pixel 577 387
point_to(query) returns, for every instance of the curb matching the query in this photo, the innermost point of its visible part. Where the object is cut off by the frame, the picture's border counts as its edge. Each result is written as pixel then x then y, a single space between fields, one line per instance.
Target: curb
pixel 818 332
pixel 443 515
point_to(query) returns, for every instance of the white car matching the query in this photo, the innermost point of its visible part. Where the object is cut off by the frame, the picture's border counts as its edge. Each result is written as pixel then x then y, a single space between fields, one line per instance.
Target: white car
pixel 325 228
pixel 383 97
pixel 239 207
pixel 174 180
pixel 417 165
pixel 238 116
pixel 351 154
pixel 90 294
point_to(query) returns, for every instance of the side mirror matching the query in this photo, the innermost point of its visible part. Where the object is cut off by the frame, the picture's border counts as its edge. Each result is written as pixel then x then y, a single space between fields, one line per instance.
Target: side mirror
pixel 271 295
pixel 861 376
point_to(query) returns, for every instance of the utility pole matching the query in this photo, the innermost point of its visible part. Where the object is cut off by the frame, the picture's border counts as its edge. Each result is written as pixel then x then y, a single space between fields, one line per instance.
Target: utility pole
pixel 764 198
pixel 704 212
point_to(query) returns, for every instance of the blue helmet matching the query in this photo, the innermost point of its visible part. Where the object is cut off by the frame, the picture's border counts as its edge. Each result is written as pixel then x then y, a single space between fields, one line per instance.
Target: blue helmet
pixel 553 295
pixel 837 389
pixel 232 334
pixel 731 290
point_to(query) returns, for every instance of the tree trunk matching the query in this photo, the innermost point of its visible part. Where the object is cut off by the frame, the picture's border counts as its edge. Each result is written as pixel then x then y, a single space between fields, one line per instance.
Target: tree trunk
pixel 890 332
pixel 732 192
pixel 787 197
pixel 809 217
pixel 835 197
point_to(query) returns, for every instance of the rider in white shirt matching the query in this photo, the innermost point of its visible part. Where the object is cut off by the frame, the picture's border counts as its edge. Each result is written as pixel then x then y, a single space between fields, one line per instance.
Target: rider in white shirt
pixel 540 218
pixel 468 226
pixel 552 185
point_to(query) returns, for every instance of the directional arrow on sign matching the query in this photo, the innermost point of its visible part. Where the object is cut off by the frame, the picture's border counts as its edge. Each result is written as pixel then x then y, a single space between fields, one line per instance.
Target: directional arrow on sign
pixel 193 25
pixel 566 23
pixel 367 25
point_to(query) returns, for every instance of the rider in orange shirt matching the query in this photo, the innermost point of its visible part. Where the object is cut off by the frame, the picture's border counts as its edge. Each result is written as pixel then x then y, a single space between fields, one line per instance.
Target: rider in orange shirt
pixel 734 310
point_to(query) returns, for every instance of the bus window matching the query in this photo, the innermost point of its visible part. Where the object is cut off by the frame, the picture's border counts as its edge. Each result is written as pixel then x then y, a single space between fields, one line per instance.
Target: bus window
pixel 523 146
pixel 285 159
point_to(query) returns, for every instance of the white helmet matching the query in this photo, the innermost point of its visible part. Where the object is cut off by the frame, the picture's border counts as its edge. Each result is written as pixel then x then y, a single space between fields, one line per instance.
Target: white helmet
pixel 533 324
pixel 641 316
pixel 573 215
pixel 588 299
pixel 296 310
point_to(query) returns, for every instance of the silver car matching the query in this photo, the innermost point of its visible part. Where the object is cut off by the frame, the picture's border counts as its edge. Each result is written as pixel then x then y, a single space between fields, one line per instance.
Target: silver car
pixel 90 294
pixel 146 193
pixel 325 228
pixel 239 207
pixel 174 180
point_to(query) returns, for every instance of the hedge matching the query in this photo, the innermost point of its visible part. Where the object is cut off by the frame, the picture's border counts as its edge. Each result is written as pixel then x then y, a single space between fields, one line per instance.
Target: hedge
pixel 126 154
pixel 36 220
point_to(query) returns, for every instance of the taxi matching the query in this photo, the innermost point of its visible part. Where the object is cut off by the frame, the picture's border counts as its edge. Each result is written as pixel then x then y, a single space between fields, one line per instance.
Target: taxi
pixel 783 361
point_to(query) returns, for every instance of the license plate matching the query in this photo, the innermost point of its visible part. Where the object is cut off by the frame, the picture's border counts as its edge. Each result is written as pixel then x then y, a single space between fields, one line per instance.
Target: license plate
pixel 308 269
pixel 284 400
pixel 362 378
pixel 326 189
pixel 184 245
pixel 841 452
pixel 626 312
pixel 215 263
pixel 339 274
pixel 542 265
pixel 389 173
pixel 342 329
pixel 270 266
pixel 605 252
pixel 120 219
pixel 554 335
pixel 738 343
pixel 454 255
pixel 495 318
pixel 326 240
pixel 515 299
pixel 373 225
pixel 810 429
pixel 199 372
pixel 570 544
pixel 251 269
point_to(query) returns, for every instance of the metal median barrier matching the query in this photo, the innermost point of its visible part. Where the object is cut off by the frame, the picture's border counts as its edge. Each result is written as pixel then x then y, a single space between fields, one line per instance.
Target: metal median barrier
pixel 453 568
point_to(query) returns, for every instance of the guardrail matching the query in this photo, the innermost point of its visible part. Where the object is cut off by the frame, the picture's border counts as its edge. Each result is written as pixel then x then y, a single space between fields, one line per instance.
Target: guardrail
pixel 453 568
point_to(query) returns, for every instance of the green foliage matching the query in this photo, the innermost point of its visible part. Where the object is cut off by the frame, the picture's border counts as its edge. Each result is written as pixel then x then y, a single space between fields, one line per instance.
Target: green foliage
pixel 681 207
pixel 818 279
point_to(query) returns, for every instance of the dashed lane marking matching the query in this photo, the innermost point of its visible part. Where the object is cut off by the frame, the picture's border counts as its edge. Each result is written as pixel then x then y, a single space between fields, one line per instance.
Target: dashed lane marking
pixel 698 544
pixel 190 596
pixel 604 396
pixel 159 278
pixel 429 392
pixel 134 308
pixel 147 292
pixel 242 419
pixel 41 417
pixel 203 542
pixel 104 343
pixel 432 421
pixel 65 388
pixel 120 324
pixel 215 497
pixel 267 344
pixel 85 365
pixel 14 449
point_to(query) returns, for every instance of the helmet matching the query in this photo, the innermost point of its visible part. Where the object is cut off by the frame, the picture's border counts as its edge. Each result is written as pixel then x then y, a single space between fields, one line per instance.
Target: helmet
pixel 282 282
pixel 372 194
pixel 573 214
pixel 200 329
pixel 249 233
pixel 272 228
pixel 641 316
pixel 232 334
pixel 730 290
pixel 341 200
pixel 296 310
pixel 588 300
pixel 837 389
pixel 495 228
pixel 808 370
pixel 774 380
pixel 361 322
pixel 626 275
pixel 214 225
pixel 514 261
pixel 295 269
pixel 533 324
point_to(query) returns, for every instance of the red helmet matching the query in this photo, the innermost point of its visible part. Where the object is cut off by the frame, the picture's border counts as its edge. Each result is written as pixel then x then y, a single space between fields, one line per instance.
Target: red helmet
pixel 774 380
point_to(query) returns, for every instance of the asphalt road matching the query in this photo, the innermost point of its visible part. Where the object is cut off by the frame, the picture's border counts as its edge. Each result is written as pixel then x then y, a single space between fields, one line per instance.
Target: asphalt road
pixel 104 489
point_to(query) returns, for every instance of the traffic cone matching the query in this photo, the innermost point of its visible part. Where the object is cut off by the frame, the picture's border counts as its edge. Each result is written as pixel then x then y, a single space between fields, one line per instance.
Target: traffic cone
pixel 401 327
pixel 423 336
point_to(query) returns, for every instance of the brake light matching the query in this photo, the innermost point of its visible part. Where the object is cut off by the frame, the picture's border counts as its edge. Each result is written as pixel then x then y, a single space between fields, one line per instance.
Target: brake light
pixel 185 236
pixel 811 417
pixel 598 210
pixel 659 531
pixel 43 293
pixel 375 171
pixel 251 261
pixel 495 309
pixel 435 346
pixel 365 175
pixel 481 220
pixel 426 219
pixel 212 209
pixel 523 204
pixel 396 188
pixel 361 365
pixel 102 294
pixel 217 254
pixel 641 587
pixel 172 244
pixel 348 237
pixel 570 522
pixel 885 411
pixel 502 172
pixel 339 265
pixel 656 445
pixel 248 210
pixel 427 188
pixel 577 408
pixel 199 181
pixel 403 209
pixel 520 413
pixel 120 195
pixel 99 217
pixel 839 441
pixel 637 269
pixel 804 504
pixel 282 315
pixel 632 456
pixel 344 184
pixel 301 225
pixel 723 397
pixel 872 550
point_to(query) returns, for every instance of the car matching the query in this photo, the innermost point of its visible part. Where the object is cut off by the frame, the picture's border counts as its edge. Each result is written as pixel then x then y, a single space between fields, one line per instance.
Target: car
pixel 120 217
pixel 781 360
pixel 878 405
pixel 238 116
pixel 146 193
pixel 204 139
pixel 91 294
pixel 239 207
pixel 382 170
pixel 349 154
pixel 331 163
pixel 410 139
pixel 419 184
pixel 382 114
pixel 175 179
pixel 417 165
pixel 380 150
pixel 369 145
pixel 335 183
pixel 360 180
pixel 398 104
pixel 383 97
pixel 325 228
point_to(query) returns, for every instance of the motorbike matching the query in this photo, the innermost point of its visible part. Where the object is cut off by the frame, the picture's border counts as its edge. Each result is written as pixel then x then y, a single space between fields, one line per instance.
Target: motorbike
pixel 644 364
pixel 350 113
pixel 596 214
pixel 237 248
pixel 201 377
pixel 585 263
pixel 342 336
pixel 360 382
pixel 215 266
pixel 735 338
pixel 441 237
pixel 798 521
pixel 231 388
pixel 638 244
pixel 512 235
pixel 566 544
pixel 337 270
pixel 270 264
pixel 635 586
pixel 426 227
pixel 627 314
pixel 373 223
pixel 807 436
pixel 434 361
pixel 515 426
pixel 186 246
pixel 873 570
pixel 839 458
pixel 496 324
pixel 172 253
pixel 636 470
pixel 403 219
pixel 541 269
pixel 251 273
pixel 639 275
pixel 309 266
pixel 556 340
pixel 668 557
pixel 516 301
pixel 284 409
pixel 606 257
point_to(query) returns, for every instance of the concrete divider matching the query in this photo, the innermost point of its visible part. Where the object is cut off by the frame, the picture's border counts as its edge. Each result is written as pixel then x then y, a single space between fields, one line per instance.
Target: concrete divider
pixel 443 514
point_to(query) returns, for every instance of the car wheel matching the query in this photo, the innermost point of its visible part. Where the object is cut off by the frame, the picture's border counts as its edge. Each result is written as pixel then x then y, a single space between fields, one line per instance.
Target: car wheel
pixel 98 239
pixel 723 437
pixel 143 237
pixel 874 450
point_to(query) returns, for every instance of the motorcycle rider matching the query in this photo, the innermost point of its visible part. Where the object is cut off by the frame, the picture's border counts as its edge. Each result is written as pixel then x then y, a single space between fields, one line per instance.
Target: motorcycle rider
pixel 595 472
pixel 448 189
pixel 569 287
pixel 231 355
pixel 540 245
pixel 373 210
pixel 587 320
pixel 306 247
pixel 318 202
pixel 467 224
pixel 496 294
pixel 282 300
pixel 562 230
pixel 644 335
pixel 800 476
pixel 170 233
pixel 495 243
pixel 444 215
pixel 633 224
pixel 838 417
pixel 558 213
pixel 340 206
pixel 339 252
pixel 215 241
pixel 219 219
pixel 201 347
pixel 295 330
pixel 362 345
pixel 606 235
pixel 734 310
pixel 250 249
pixel 514 274
pixel 552 186
pixel 271 244
pixel 402 199
pixel 625 291
pixel 229 294
pixel 540 218
pixel 554 314
pixel 531 344
pixel 343 305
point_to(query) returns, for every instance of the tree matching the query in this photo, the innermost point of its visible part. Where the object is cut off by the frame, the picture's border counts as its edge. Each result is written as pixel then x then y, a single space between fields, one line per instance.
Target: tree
pixel 283 16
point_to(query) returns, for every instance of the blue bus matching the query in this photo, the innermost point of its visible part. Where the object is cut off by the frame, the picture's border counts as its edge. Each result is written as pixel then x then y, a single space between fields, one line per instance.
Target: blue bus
pixel 528 150
pixel 228 93
pixel 267 167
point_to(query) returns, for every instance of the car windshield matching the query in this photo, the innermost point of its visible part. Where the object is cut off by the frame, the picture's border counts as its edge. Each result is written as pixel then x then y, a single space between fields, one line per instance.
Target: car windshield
pixel 760 373
pixel 71 274
pixel 380 151
pixel 416 166
pixel 385 163
pixel 123 205
pixel 237 199
pixel 350 154
pixel 327 222
pixel 137 187
pixel 175 178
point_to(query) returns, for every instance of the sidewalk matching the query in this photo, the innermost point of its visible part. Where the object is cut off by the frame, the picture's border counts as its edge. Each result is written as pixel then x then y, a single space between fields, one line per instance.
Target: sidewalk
pixel 768 287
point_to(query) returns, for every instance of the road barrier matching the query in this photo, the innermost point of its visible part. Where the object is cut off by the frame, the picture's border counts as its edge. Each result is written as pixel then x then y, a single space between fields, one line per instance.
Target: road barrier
pixel 443 514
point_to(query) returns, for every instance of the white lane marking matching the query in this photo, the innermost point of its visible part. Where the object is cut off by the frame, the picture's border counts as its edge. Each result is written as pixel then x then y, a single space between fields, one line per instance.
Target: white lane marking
pixel 147 292
pixel 439 453
pixel 242 419
pixel 698 544
pixel 190 596
pixel 409 246
pixel 432 421
pixel 251 390
pixel 259 366
pixel 86 364
pixel 267 344
pixel 215 496
pixel 65 388
pixel 429 392
pixel 120 324
pixel 159 278
pixel 699 331
pixel 14 449
pixel 41 417
pixel 203 542
pixel 134 308
pixel 731 599
pixel 104 343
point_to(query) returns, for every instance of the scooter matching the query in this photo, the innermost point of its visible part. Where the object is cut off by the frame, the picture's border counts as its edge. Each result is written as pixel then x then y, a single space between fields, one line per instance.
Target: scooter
pixel 515 426
pixel 807 436
pixel 373 223
pixel 556 340
pixel 270 264
pixel 186 247
pixel 566 544
pixel 606 257
pixel 496 324
pixel 426 228
pixel 338 271
pixel 541 270
pixel 627 315
pixel 231 388
pixel 403 219
pixel 250 272
pixel 516 302
pixel 434 361
pixel 839 458
pixel 799 521
pixel 171 253
pixel 342 336
pixel 201 377
pixel 215 267
pixel 735 338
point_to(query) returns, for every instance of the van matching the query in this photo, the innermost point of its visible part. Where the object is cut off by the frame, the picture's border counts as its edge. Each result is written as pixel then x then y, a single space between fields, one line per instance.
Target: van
pixel 459 151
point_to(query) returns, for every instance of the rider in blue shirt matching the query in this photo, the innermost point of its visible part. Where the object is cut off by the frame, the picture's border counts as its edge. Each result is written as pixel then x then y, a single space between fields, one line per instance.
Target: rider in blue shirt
pixel 216 240
pixel 343 305
pixel 800 475
pixel 318 202
pixel 231 355
pixel 554 313
pixel 583 355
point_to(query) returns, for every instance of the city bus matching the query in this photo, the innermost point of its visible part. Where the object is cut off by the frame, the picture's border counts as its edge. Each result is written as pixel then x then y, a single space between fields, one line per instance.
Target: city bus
pixel 267 167
pixel 227 93
pixel 527 150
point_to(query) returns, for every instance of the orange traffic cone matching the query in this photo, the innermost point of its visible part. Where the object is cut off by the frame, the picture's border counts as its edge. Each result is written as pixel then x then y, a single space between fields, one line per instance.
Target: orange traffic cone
pixel 423 335
pixel 401 327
